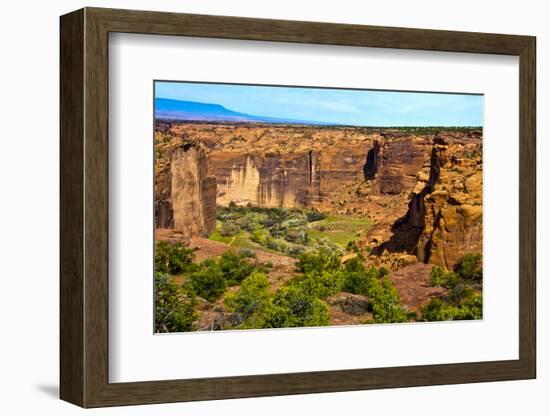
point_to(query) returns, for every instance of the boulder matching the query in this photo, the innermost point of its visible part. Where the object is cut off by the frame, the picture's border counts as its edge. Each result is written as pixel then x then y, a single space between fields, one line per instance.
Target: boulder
pixel 350 303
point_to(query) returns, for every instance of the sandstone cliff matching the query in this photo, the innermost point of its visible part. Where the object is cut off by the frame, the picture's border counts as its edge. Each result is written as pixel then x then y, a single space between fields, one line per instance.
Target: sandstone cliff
pixel 421 191
pixel 267 179
pixel 444 216
pixel 392 164
pixel 185 192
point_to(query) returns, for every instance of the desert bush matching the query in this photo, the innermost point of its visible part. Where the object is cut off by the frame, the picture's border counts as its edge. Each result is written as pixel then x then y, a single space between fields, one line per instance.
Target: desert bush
pixel 321 283
pixel 260 236
pixel 229 228
pixel 173 258
pixel 352 246
pixel 247 253
pixel 234 267
pixel 439 310
pixel 359 282
pixel 174 306
pixel 470 267
pixel 312 216
pixel 442 278
pixel 437 276
pixel 251 300
pixel 296 306
pixel 297 235
pixel 323 259
pixel 385 302
pixel 278 244
pixel 208 282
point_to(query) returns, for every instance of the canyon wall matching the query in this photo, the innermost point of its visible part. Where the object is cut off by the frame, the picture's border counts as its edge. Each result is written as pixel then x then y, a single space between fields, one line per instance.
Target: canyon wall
pixel 292 180
pixel 423 192
pixel 186 193
pixel 267 180
pixel 444 217
pixel 393 163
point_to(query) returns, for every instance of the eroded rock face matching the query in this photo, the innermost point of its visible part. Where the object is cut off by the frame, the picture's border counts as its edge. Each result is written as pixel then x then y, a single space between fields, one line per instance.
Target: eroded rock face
pixel 454 208
pixel 393 164
pixel 444 217
pixel 185 197
pixel 291 180
pixel 267 180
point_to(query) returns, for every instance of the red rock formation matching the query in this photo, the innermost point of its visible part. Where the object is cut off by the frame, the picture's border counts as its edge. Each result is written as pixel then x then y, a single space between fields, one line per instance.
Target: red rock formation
pixel 393 164
pixel 444 217
pixel 186 193
pixel 267 180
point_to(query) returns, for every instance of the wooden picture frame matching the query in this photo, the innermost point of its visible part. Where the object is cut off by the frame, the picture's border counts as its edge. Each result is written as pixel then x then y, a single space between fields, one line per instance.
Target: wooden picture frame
pixel 84 207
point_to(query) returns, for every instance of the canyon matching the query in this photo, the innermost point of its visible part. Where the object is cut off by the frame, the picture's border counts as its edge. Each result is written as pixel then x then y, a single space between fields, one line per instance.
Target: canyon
pixel 423 191
pixel 419 190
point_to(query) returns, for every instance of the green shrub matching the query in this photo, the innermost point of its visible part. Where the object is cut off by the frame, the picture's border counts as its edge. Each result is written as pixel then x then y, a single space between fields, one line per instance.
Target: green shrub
pixel 461 301
pixel 441 278
pixel 312 216
pixel 235 267
pixel 246 252
pixel 295 306
pixel 174 307
pixel 251 300
pixel 385 302
pixel 439 310
pixel 323 259
pixel 173 258
pixel 437 276
pixel 352 246
pixel 260 236
pixel 278 244
pixel 229 228
pixel 208 282
pixel 470 267
pixel 321 284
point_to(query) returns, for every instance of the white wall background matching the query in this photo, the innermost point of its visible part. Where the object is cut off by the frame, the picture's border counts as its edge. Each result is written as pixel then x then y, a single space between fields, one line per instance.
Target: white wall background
pixel 29 159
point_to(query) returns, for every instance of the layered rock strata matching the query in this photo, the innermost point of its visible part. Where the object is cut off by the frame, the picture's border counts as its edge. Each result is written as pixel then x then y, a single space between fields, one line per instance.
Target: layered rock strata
pixel 186 193
pixel 444 217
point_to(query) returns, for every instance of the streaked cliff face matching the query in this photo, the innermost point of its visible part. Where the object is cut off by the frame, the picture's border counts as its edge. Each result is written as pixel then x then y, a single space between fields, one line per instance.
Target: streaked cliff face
pixel 189 202
pixel 267 180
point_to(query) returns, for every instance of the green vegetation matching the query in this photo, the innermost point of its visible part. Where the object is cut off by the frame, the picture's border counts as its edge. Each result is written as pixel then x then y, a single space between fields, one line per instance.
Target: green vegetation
pixel 296 306
pixel 174 306
pixel 463 300
pixel 209 281
pixel 251 301
pixel 234 267
pixel 287 231
pixel 301 301
pixel 173 258
pixel 324 275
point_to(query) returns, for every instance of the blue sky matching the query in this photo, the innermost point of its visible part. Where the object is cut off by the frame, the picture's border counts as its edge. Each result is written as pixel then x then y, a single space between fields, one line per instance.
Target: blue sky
pixel 339 106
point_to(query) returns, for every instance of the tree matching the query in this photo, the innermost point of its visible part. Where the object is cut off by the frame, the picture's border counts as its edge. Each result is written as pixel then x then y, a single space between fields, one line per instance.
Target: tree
pixel 173 258
pixel 296 306
pixel 174 307
pixel 251 300
pixel 470 267
pixel 208 282
pixel 235 267
pixel 323 259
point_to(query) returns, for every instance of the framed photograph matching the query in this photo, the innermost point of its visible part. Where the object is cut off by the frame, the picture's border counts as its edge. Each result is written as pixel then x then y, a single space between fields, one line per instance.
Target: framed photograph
pixel 257 207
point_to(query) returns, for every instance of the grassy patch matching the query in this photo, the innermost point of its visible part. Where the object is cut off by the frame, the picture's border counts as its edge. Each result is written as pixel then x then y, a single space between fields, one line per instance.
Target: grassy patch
pixel 339 229
pixel 216 236
pixel 287 231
